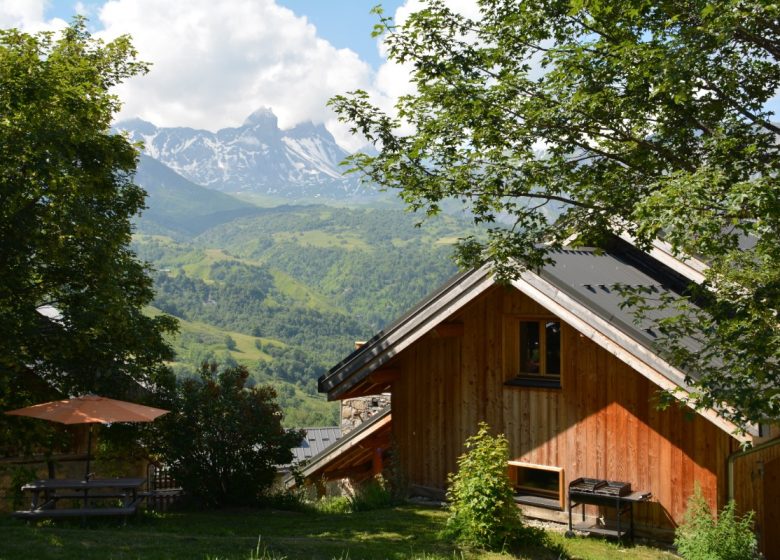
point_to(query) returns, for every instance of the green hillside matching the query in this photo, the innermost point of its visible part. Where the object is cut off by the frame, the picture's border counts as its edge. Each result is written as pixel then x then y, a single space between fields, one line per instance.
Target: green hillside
pixel 284 290
pixel 176 206
pixel 315 277
pixel 197 342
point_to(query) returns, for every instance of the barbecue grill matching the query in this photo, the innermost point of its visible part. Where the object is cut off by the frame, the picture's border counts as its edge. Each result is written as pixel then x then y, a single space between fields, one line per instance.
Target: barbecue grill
pixel 605 493
pixel 616 489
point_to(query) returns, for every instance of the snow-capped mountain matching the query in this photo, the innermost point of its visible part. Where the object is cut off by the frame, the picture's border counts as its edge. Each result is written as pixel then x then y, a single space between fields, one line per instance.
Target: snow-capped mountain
pixel 257 156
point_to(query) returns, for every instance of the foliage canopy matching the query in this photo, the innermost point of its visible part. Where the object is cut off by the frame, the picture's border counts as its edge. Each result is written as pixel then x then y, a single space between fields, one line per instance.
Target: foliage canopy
pixel 600 117
pixel 71 290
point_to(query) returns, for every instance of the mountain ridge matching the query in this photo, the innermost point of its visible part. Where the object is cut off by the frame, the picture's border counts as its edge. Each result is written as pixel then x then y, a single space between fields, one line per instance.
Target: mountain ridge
pixel 176 205
pixel 256 157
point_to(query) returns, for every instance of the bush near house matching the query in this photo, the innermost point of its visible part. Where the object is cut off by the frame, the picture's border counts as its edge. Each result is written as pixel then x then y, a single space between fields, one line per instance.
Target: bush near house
pixel 704 537
pixel 482 511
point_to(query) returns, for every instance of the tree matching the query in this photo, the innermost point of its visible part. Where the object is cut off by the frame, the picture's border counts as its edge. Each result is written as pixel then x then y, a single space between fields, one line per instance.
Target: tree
pixel 223 440
pixel 71 290
pixel 601 117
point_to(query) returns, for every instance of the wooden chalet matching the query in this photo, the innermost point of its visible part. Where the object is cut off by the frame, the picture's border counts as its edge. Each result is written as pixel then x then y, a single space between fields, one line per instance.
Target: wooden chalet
pixel 553 362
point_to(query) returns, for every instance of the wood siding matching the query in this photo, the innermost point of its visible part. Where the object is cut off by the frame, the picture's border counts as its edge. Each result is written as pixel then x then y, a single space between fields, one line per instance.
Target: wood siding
pixel 757 488
pixel 602 423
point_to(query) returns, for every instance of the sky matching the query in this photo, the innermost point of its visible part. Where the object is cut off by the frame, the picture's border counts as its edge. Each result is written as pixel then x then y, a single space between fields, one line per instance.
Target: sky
pixel 214 62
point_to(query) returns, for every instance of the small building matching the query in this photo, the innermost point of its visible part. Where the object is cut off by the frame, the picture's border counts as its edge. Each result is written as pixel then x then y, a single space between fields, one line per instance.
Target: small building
pixel 355 457
pixel 314 442
pixel 554 362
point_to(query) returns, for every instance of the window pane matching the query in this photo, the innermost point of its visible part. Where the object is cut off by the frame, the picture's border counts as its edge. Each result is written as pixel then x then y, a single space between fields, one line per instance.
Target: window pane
pixel 552 331
pixel 529 347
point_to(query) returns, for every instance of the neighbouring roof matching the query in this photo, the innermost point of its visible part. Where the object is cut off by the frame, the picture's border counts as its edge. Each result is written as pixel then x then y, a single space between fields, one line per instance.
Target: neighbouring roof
pixel 314 442
pixel 578 286
pixel 351 450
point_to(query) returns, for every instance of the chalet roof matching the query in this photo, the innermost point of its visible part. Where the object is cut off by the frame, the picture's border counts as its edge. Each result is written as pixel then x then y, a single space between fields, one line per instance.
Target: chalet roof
pixel 585 274
pixel 577 287
pixel 590 277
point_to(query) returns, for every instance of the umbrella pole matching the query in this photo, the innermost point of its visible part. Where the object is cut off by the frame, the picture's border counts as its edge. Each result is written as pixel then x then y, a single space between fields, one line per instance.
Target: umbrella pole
pixel 89 448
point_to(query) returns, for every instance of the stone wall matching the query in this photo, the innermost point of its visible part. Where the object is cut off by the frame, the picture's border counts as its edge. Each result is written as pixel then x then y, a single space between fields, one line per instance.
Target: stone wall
pixel 356 411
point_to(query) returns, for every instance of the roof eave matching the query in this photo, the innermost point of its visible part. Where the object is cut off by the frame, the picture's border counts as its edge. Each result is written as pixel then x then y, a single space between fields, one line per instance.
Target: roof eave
pixel 412 326
pixel 342 445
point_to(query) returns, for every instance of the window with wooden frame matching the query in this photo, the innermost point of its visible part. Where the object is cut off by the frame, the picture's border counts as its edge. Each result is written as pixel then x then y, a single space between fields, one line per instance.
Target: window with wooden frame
pixel 537 485
pixel 533 352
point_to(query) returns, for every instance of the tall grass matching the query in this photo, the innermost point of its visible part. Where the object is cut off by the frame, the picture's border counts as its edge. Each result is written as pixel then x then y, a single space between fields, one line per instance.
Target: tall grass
pixel 261 552
pixel 371 495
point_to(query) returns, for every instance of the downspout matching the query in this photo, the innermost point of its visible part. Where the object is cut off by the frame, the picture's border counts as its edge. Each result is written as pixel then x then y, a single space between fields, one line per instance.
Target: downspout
pixel 739 454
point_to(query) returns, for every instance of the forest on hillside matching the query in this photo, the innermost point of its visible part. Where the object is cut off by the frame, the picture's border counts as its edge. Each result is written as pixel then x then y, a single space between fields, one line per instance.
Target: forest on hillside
pixel 289 291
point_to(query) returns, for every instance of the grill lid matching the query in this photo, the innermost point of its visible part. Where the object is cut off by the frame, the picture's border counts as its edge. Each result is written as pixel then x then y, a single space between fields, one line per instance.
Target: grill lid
pixel 586 484
pixel 600 487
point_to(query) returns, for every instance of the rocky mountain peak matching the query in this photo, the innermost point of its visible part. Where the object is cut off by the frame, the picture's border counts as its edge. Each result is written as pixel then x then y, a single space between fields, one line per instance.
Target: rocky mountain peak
pixel 309 129
pixel 138 125
pixel 262 117
pixel 256 156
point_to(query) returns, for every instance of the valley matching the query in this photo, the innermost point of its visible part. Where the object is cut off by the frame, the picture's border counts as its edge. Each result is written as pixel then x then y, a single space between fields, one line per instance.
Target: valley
pixel 285 290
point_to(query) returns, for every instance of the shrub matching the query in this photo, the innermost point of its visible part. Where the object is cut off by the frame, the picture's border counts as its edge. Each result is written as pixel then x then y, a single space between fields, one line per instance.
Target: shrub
pixel 703 537
pixel 19 476
pixel 288 500
pixel 334 504
pixel 223 441
pixel 482 511
pixel 370 495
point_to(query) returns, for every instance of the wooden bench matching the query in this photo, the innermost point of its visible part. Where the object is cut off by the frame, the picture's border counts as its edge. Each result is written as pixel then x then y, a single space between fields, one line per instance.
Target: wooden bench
pixel 74 512
pixel 85 492
pixel 80 495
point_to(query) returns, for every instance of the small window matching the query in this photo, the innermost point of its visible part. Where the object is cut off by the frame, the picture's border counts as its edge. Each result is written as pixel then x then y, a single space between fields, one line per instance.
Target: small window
pixel 537 361
pixel 537 485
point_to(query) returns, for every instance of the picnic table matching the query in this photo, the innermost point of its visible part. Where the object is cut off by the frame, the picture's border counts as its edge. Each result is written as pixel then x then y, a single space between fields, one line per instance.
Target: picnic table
pixel 93 497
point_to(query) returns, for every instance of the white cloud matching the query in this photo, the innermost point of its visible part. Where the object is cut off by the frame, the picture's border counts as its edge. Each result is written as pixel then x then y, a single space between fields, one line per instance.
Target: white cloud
pixel 216 62
pixel 82 9
pixel 27 15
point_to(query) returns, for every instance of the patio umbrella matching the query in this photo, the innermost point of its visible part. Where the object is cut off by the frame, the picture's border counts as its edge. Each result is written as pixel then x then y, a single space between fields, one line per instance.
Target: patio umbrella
pixel 90 409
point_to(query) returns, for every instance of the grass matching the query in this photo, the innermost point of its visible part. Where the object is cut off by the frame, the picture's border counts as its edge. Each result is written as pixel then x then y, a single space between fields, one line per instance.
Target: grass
pixel 212 338
pixel 406 532
pixel 201 268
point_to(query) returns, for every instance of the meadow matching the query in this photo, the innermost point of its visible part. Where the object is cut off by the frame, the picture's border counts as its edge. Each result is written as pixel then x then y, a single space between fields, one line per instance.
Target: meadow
pixel 404 532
